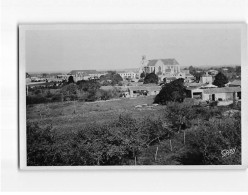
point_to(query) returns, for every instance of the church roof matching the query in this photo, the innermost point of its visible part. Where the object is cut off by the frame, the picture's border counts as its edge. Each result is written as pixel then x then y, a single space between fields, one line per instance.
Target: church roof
pixel 169 61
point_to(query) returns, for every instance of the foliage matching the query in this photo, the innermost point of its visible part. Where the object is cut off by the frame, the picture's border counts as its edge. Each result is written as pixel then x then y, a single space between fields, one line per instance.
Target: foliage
pixel 173 91
pixel 70 91
pixel 111 78
pixel 196 72
pixel 84 85
pixel 151 78
pixel 39 141
pixel 220 80
pixel 128 140
pixel 211 138
pixel 70 79
pixel 36 99
pixel 142 75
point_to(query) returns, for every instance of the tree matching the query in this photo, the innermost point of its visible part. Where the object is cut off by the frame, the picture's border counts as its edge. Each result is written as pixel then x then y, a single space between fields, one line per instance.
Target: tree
pixel 112 76
pixel 174 91
pixel 143 75
pixel 151 78
pixel 220 80
pixel 70 79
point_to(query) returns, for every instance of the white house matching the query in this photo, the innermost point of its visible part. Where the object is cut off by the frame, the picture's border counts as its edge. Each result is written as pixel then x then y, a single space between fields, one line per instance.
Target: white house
pixel 130 75
pixel 206 78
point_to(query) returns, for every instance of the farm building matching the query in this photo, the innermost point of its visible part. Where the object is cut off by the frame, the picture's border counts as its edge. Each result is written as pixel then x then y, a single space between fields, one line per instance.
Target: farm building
pixel 214 94
pixel 224 94
pixel 135 91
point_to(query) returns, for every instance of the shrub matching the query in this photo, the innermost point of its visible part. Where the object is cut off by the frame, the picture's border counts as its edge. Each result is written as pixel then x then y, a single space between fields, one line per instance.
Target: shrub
pixel 39 141
pixel 210 138
pixel 36 99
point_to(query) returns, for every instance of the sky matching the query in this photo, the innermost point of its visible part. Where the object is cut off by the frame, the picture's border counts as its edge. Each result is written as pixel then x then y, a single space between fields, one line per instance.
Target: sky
pixel 109 47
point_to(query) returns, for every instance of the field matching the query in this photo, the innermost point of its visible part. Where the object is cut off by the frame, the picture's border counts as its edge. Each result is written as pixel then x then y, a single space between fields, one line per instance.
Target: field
pixel 71 116
pixel 131 131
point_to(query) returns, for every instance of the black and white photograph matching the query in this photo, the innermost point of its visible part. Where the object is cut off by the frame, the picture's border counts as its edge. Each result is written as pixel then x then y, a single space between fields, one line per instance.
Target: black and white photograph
pixel 131 95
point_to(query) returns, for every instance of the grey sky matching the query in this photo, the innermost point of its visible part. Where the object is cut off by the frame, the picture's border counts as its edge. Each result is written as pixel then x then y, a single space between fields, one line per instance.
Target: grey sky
pixel 117 48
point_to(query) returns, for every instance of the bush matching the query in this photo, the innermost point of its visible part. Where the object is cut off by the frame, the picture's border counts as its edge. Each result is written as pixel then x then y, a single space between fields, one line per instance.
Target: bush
pixel 209 139
pixel 36 99
pixel 39 141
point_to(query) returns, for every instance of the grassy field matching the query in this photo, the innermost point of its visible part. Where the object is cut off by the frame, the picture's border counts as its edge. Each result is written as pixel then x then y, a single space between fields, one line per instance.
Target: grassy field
pixel 63 118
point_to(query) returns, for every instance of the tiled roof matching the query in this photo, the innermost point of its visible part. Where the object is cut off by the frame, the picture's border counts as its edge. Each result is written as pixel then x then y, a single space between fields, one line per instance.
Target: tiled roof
pixel 222 90
pixel 235 82
pixel 169 61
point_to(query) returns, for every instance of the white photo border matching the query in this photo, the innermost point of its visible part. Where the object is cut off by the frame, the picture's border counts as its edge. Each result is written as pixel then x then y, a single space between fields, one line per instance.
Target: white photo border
pixel 22 28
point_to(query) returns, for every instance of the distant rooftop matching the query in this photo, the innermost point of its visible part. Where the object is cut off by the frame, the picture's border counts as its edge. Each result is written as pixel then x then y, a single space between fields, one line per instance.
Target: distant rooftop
pixel 169 61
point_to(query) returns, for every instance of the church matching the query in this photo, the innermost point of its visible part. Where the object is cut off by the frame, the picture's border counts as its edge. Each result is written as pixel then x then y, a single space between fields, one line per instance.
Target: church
pixel 164 68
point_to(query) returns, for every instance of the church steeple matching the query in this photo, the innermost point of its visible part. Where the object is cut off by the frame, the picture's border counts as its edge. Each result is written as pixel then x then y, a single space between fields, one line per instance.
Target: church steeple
pixel 143 63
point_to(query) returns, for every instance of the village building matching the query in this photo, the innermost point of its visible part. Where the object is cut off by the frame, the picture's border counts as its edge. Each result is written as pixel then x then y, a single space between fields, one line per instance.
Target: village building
pixel 135 91
pixel 206 78
pixel 129 75
pixel 213 93
pixel 62 77
pixel 79 75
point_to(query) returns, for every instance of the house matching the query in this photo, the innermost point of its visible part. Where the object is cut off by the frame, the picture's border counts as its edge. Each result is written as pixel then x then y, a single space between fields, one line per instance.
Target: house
pixel 214 93
pixel 135 91
pixel 189 78
pixel 62 77
pixel 222 94
pixel 81 74
pixel 206 78
pixel 128 75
